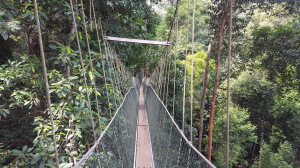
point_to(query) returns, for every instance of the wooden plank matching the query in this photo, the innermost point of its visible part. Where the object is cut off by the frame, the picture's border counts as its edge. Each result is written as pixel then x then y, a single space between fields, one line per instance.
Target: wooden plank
pixel 144 157
pixel 136 40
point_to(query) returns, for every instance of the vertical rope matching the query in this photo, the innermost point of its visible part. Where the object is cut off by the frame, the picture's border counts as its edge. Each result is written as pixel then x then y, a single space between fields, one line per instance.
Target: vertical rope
pixel 192 73
pixel 162 78
pixel 90 59
pixel 101 55
pixel 186 53
pixel 175 68
pixel 83 70
pixel 36 13
pixel 91 20
pixel 228 86
pixel 107 52
pixel 168 77
pixel 113 75
pixel 113 58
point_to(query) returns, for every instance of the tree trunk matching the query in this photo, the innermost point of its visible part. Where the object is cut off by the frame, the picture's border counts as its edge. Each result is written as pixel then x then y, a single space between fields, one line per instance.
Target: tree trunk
pixel 228 86
pixel 68 44
pixel 216 87
pixel 67 75
pixel 203 95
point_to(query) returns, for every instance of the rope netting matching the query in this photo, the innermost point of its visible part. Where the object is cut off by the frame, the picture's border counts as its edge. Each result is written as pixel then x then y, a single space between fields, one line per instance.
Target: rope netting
pixel 116 145
pixel 96 65
pixel 169 145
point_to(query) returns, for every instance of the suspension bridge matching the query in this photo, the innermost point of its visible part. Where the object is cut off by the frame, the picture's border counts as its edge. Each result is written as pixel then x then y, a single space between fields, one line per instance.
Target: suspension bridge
pixel 142 132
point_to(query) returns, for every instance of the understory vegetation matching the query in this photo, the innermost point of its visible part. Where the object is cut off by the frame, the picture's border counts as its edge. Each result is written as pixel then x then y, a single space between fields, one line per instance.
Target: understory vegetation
pixel 265 76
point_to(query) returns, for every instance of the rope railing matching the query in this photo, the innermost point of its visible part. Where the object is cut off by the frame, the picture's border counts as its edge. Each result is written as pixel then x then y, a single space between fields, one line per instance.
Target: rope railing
pixel 170 146
pixel 116 145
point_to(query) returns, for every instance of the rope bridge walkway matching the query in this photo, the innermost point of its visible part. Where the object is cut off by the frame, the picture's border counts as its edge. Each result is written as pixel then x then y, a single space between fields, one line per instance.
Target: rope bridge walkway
pixel 141 133
pixel 128 142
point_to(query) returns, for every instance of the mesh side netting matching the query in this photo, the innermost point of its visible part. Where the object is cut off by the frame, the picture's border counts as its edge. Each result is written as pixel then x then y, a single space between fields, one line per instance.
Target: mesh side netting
pixel 170 147
pixel 116 145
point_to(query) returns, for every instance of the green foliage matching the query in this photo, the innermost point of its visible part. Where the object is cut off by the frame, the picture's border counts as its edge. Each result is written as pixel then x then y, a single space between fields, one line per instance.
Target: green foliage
pixel 278 50
pixel 241 136
pixel 268 159
pixel 201 38
pixel 130 19
pixel 199 65
pixel 286 111
pixel 242 133
pixel 25 127
pixel 22 94
pixel 7 22
pixel 251 90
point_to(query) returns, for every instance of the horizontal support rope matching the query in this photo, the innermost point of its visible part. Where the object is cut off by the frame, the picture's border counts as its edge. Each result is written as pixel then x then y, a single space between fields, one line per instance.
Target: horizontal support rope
pixel 136 40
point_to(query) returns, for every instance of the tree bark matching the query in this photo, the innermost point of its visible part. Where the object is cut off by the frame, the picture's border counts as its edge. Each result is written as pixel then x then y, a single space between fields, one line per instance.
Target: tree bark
pixel 67 75
pixel 203 95
pixel 68 44
pixel 216 86
pixel 228 86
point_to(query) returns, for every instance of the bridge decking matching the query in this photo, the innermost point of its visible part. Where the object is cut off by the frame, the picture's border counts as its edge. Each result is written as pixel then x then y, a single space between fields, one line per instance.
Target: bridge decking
pixel 144 158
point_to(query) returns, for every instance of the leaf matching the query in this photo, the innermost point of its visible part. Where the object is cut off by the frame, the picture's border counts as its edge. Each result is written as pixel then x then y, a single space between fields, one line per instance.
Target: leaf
pixel 42 164
pixel 73 36
pixel 2 12
pixel 44 15
pixel 52 46
pixel 68 165
pixel 24 148
pixel 70 136
pixel 15 152
pixel 109 3
pixel 51 165
pixel 73 153
pixel 32 68
pixel 36 158
pixel 14 25
pixel 98 93
pixel 25 14
pixel 91 75
pixel 69 50
pixel 80 35
pixel 5 36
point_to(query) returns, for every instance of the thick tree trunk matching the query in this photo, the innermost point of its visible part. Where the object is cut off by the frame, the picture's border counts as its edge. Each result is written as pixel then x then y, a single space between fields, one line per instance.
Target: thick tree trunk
pixel 203 95
pixel 216 87
pixel 71 122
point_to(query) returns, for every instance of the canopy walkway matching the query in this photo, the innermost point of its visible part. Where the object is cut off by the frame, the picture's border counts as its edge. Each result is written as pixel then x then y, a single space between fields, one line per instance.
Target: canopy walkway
pixel 141 133
pixel 143 136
